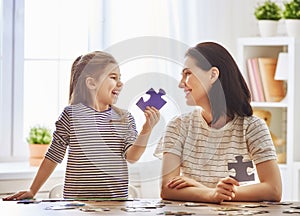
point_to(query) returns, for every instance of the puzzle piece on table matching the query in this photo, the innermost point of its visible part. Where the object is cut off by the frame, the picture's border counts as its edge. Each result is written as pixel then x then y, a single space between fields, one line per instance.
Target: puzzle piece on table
pixel 28 201
pixel 155 100
pixel 241 169
pixel 178 213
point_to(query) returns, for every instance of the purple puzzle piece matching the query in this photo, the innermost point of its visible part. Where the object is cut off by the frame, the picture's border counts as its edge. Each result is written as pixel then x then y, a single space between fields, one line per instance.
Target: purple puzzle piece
pixel 241 169
pixel 155 100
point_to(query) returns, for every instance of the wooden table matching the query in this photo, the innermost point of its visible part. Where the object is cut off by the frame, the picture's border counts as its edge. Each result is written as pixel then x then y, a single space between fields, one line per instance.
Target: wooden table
pixel 143 207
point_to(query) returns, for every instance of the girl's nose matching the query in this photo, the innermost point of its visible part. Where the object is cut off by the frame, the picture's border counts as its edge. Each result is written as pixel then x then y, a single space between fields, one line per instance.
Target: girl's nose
pixel 119 84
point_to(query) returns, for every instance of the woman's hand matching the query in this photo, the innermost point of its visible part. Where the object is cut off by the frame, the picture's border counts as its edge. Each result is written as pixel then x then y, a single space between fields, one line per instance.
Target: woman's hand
pixel 152 117
pixel 225 190
pixel 20 195
pixel 179 182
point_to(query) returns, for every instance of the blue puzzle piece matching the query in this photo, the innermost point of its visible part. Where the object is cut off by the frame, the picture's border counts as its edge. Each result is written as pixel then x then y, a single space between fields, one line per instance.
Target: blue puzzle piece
pixel 155 100
pixel 241 169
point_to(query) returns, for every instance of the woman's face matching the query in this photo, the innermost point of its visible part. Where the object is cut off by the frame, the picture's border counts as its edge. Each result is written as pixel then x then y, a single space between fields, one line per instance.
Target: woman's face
pixel 195 82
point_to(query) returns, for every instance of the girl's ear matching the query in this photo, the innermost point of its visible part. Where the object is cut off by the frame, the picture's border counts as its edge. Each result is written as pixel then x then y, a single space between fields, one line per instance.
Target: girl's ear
pixel 90 83
pixel 214 74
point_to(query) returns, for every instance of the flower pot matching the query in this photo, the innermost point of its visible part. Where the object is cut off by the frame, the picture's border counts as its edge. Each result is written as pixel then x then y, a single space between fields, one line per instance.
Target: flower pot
pixel 293 27
pixel 37 153
pixel 267 28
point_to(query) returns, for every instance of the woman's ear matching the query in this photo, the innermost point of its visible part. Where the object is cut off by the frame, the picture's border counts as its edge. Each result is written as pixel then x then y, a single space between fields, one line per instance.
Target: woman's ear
pixel 214 74
pixel 90 83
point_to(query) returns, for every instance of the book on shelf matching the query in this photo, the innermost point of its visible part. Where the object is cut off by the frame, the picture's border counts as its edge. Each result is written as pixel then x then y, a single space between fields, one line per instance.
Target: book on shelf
pixel 256 87
pixel 251 79
pixel 263 86
pixel 257 76
pixel 274 90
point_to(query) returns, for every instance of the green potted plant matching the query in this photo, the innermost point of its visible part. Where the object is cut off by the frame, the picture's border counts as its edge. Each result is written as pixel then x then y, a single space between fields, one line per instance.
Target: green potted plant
pixel 38 139
pixel 268 14
pixel 291 14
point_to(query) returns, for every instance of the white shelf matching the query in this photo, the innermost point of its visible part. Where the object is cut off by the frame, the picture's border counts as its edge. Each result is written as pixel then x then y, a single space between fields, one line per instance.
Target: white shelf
pixel 269 104
pixel 285 114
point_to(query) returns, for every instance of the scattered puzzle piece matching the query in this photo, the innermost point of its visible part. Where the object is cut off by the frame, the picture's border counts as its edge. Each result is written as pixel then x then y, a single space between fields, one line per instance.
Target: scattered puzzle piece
pixel 155 100
pixel 241 169
pixel 178 213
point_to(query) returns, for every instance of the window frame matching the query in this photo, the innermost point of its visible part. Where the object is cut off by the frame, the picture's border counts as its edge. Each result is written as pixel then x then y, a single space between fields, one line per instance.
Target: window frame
pixel 12 62
pixel 11 77
pixel 12 80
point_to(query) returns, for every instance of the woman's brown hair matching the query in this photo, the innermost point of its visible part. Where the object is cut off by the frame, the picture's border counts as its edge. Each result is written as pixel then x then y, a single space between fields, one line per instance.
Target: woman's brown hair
pixel 230 95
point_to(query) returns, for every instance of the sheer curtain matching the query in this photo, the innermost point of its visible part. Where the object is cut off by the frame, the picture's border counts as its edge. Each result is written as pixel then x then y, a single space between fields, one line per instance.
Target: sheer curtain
pixel 140 32
pixel 34 87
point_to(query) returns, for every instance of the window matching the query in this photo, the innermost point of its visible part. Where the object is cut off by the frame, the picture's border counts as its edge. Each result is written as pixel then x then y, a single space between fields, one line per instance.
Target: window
pixel 56 32
pixel 40 39
pixel 6 51
pixel 1 71
pixel 52 40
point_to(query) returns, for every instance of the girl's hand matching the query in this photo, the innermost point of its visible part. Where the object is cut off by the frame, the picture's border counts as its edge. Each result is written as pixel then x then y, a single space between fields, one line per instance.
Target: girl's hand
pixel 225 190
pixel 152 117
pixel 20 195
pixel 179 182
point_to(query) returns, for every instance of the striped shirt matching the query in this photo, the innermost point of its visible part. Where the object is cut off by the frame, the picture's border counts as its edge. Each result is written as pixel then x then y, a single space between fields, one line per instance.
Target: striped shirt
pixel 97 143
pixel 205 152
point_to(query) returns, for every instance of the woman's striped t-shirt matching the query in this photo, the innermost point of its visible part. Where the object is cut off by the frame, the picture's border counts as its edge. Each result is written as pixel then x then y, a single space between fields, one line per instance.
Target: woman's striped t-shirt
pixel 96 143
pixel 205 152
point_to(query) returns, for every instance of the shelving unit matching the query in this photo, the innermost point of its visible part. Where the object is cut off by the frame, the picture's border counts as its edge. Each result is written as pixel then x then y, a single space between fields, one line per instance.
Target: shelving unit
pixel 285 114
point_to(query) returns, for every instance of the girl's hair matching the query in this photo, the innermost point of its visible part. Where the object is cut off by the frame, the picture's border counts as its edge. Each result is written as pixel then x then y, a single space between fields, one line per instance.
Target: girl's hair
pixel 230 94
pixel 83 67
pixel 74 77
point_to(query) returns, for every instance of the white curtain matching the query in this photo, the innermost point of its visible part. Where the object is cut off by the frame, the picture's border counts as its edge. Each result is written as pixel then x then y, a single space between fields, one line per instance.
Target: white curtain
pixel 133 31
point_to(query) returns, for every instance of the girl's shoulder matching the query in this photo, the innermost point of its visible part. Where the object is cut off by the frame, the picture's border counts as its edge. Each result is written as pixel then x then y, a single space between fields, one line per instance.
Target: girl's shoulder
pixel 77 110
pixel 75 106
pixel 123 114
pixel 120 111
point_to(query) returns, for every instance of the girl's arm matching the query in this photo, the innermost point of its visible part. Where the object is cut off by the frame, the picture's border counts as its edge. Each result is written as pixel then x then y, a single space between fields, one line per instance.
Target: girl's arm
pixel 135 151
pixel 269 188
pixel 45 170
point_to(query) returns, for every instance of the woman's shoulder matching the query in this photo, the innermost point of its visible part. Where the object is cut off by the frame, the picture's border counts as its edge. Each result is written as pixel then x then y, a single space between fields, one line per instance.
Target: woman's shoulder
pixel 188 117
pixel 249 120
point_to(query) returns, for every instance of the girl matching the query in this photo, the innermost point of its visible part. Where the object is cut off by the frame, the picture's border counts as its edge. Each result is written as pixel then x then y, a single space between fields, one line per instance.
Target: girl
pixel 100 137
pixel 197 146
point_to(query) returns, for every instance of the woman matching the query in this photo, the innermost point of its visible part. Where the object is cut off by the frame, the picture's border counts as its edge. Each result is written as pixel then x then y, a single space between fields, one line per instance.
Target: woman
pixel 197 147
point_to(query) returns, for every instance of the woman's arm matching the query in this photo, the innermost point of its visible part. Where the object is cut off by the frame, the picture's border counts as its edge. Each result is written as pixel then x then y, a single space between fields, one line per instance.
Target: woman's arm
pixel 135 151
pixel 269 188
pixel 176 187
pixel 45 170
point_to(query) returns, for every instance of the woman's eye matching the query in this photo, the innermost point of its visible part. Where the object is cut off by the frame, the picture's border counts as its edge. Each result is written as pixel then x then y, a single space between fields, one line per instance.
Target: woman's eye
pixel 187 73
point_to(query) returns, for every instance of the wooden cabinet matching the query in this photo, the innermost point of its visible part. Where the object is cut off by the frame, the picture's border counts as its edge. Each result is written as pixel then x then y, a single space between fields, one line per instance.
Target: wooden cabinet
pixel 286 113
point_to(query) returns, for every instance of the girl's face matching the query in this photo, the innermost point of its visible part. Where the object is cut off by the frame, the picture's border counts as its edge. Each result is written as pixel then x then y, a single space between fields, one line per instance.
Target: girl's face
pixel 109 87
pixel 195 82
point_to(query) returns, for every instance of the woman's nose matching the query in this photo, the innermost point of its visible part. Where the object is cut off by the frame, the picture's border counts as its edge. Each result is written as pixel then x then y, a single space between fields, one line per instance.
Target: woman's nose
pixel 181 84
